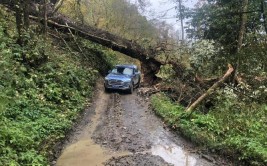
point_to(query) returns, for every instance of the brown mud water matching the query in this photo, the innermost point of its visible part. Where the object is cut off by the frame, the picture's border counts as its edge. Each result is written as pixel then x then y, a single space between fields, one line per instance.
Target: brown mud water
pixel 123 131
pixel 82 151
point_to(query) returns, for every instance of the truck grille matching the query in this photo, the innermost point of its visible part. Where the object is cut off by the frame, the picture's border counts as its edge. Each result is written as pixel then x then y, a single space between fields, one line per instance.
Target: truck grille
pixel 115 82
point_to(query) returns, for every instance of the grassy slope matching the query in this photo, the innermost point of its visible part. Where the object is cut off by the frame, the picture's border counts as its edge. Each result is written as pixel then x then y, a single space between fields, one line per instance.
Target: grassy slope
pixel 38 103
pixel 231 127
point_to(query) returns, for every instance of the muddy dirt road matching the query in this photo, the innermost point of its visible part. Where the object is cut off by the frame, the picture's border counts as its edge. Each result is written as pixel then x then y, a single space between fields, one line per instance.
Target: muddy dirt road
pixel 120 129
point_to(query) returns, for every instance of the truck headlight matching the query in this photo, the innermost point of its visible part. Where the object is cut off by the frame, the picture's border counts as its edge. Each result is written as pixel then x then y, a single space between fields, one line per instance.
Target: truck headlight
pixel 127 82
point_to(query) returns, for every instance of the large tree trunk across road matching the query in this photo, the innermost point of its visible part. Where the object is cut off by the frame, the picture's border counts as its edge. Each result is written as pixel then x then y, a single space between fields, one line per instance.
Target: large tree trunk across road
pixel 150 66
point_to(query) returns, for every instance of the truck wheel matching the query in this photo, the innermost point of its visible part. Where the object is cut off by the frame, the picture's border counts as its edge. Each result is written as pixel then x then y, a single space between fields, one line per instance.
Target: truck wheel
pixel 138 84
pixel 107 90
pixel 131 89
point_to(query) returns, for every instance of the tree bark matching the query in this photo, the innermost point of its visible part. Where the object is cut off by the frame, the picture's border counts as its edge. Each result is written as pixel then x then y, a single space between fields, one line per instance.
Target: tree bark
pixel 210 90
pixel 241 33
pixel 26 13
pixel 243 23
pixel 19 22
pixel 263 8
pixel 181 19
pixel 45 17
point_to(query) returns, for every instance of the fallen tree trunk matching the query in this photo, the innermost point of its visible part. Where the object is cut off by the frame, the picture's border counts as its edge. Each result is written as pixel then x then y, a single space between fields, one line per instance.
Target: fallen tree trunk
pixel 150 66
pixel 210 90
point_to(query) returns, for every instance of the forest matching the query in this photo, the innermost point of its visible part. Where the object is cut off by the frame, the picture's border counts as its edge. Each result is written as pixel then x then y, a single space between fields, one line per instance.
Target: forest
pixel 207 83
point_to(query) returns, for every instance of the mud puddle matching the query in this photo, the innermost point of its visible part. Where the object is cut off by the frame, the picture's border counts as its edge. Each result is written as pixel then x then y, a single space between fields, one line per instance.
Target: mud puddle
pixel 173 151
pixel 174 154
pixel 81 150
pixel 82 153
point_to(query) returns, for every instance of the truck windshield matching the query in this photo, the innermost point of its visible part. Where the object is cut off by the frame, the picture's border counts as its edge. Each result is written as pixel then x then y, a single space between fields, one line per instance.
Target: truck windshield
pixel 122 70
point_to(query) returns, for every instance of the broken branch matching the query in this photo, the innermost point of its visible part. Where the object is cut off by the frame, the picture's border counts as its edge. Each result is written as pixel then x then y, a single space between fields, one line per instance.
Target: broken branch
pixel 210 90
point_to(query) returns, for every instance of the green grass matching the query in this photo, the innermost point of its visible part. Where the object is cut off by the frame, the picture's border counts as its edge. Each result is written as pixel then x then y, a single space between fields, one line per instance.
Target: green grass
pixel 231 127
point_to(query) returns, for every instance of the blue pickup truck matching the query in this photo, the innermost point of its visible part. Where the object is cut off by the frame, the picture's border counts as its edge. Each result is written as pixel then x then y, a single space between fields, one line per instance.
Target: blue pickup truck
pixel 123 77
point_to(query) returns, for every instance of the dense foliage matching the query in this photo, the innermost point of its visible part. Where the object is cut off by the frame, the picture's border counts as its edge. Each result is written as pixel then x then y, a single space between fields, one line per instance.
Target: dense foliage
pixel 43 87
pixel 220 21
pixel 231 121
pixel 231 127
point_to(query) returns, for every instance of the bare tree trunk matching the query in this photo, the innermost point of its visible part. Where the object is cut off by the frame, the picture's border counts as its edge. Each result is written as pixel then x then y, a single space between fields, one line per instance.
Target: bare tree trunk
pixel 210 90
pixel 181 19
pixel 19 22
pixel 263 14
pixel 241 33
pixel 45 17
pixel 243 22
pixel 26 14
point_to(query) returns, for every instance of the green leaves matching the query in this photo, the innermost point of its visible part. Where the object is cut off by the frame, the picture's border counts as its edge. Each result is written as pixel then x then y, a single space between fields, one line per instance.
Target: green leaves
pixel 204 56
pixel 165 108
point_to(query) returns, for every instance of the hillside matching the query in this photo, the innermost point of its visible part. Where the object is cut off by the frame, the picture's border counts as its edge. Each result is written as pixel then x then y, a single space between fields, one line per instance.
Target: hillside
pixel 44 87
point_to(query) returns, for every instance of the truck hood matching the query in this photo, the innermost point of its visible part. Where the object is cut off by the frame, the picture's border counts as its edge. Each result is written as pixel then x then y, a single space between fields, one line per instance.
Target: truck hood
pixel 121 77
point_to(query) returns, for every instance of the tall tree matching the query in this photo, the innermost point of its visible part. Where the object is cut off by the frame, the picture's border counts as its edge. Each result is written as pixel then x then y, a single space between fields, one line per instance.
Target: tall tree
pixel 263 14
pixel 237 27
pixel 242 29
pixel 22 18
pixel 19 22
pixel 221 20
pixel 181 17
pixel 26 11
pixel 45 19
pixel 243 21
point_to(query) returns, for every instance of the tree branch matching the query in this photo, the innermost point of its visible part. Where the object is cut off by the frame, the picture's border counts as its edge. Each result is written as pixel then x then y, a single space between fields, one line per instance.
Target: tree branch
pixel 210 90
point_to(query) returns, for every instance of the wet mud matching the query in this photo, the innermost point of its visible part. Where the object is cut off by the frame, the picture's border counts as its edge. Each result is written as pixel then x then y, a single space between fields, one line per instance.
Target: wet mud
pixel 119 129
pixel 137 160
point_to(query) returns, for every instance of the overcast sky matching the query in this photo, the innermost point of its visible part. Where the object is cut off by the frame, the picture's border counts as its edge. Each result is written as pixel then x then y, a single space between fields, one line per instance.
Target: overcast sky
pixel 164 10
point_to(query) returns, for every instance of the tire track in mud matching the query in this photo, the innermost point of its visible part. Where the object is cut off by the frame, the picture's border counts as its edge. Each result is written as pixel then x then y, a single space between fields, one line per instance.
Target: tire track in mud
pixel 129 125
pixel 120 130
